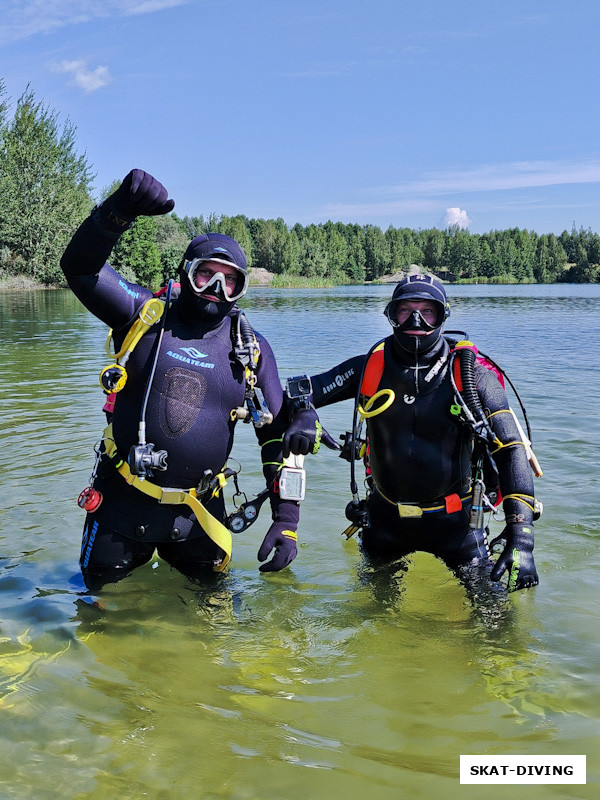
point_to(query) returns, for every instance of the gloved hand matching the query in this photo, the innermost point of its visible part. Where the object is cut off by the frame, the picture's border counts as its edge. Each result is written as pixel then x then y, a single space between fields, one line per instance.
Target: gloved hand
pixel 283 541
pixel 517 556
pixel 305 434
pixel 139 195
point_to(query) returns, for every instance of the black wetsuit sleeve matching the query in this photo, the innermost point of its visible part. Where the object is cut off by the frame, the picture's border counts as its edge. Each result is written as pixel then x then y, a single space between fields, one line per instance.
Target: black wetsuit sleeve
pixel 101 290
pixel 270 436
pixel 337 384
pixel 510 455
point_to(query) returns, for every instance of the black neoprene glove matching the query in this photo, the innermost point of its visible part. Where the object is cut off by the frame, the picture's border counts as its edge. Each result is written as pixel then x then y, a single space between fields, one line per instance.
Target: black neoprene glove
pixel 139 195
pixel 305 434
pixel 284 541
pixel 516 557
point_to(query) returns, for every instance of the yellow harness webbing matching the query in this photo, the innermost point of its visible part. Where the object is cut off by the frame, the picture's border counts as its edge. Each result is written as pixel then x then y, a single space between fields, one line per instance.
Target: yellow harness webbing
pixel 148 315
pixel 214 529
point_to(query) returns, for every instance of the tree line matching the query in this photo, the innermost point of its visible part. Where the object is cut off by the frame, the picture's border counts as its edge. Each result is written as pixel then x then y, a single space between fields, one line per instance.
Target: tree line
pixel 46 191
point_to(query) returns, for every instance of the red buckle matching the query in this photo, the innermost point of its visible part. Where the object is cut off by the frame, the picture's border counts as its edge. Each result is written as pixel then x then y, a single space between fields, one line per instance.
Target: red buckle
pixel 453 503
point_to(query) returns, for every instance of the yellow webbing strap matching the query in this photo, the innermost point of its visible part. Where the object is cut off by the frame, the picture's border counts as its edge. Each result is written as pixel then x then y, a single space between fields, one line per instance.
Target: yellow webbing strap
pixel 526 499
pixel 219 534
pixel 148 315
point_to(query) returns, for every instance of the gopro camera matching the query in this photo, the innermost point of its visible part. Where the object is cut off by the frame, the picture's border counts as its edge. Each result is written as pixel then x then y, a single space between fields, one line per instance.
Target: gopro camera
pixel 299 390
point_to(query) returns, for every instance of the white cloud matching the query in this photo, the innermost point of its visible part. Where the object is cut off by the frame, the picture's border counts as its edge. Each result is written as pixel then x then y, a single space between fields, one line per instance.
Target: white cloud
pixel 24 18
pixel 82 77
pixel 150 6
pixel 421 195
pixel 515 175
pixel 455 217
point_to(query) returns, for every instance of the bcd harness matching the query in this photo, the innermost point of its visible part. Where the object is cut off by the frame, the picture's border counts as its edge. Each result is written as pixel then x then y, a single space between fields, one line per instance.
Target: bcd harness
pixel 215 529
pixel 462 358
pixel 113 378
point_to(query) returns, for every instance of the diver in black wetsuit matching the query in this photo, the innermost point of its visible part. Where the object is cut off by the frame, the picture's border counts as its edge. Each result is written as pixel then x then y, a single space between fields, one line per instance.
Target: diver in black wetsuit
pixel 186 402
pixel 419 453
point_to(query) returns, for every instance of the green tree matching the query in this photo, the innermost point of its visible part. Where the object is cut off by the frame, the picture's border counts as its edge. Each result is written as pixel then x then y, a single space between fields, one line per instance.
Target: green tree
pixel 171 240
pixel 3 105
pixel 237 228
pixel 550 259
pixel 357 258
pixel 337 252
pixel 462 254
pixel 433 249
pixel 313 252
pixel 292 255
pixel 44 187
pixel 377 252
pixel 136 255
pixel 269 239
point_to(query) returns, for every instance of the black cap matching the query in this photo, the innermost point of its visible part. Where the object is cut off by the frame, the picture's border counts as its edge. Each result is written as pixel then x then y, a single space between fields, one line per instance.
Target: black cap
pixel 420 287
pixel 216 245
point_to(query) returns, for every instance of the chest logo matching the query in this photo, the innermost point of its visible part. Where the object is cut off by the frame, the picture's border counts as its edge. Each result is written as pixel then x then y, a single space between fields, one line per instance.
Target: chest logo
pixel 192 352
pixel 409 399
pixel 194 360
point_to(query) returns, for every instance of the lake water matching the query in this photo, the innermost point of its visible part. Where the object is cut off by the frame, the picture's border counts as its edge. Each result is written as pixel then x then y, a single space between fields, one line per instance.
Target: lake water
pixel 328 679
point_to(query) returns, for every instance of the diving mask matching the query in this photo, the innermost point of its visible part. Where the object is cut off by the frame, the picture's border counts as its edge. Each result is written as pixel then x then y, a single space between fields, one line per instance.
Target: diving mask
pixel 415 319
pixel 230 285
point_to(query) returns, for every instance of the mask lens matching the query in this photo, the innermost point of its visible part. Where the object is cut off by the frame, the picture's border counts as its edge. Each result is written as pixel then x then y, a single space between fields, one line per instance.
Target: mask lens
pixel 413 318
pixel 230 286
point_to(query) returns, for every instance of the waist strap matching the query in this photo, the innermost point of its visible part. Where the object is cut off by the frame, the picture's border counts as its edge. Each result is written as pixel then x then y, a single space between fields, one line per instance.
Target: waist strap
pixel 213 528
pixel 448 504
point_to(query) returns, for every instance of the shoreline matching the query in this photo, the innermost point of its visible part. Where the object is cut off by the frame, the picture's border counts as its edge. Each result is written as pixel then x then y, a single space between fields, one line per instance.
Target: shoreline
pixel 21 283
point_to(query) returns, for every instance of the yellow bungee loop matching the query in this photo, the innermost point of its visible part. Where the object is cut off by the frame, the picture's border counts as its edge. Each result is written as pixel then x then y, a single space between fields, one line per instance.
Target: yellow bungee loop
pixel 368 410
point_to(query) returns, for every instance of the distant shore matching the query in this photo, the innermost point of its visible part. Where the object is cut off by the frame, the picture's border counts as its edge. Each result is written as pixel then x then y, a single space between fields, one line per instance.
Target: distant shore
pixel 258 277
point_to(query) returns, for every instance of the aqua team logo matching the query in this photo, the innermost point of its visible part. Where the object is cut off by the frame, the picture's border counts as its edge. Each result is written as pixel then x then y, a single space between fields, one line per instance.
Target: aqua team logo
pixel 192 352
pixel 192 356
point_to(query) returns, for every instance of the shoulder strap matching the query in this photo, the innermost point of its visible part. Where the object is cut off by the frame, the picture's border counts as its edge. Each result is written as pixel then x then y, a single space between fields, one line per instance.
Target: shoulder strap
pixel 373 371
pixel 148 315
pixel 480 358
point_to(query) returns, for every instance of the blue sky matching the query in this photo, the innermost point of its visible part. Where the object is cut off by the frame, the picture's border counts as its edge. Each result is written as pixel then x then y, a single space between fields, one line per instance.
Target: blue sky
pixel 412 114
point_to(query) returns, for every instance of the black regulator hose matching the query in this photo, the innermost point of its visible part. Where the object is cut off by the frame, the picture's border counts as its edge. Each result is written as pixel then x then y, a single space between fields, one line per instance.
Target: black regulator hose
pixel 246 332
pixel 465 352
pixel 247 345
pixel 356 425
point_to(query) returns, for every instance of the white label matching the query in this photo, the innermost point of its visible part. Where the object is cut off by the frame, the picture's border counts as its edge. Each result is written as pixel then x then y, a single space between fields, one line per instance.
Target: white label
pixel 522 769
